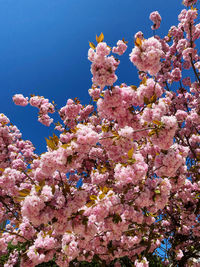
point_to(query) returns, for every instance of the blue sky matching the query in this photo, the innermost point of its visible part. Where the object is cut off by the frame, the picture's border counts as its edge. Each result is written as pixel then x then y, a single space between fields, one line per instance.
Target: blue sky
pixel 44 44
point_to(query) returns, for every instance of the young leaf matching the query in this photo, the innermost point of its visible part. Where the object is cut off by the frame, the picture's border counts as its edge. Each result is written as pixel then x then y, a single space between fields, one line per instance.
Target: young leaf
pixel 130 153
pixel 65 146
pixel 105 190
pixel 146 100
pixel 90 204
pixel 101 196
pixel 100 38
pixel 152 132
pixel 157 122
pixel 134 87
pixel 126 42
pixel 138 42
pixel 93 197
pixel 37 188
pixel 92 45
pixel 144 81
pixel 153 98
pixel 24 192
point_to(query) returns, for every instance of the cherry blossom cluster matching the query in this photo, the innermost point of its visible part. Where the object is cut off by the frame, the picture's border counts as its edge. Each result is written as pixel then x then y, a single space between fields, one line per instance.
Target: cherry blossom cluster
pixel 147 54
pixel 156 18
pixel 39 102
pixel 104 66
pixel 120 176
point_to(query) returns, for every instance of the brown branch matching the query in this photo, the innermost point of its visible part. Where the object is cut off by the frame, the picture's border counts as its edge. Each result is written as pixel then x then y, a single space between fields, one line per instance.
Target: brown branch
pixel 2 201
pixel 29 177
pixel 13 233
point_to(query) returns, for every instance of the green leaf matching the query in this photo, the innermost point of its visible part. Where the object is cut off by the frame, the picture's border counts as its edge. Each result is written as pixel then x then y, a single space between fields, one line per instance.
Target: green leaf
pixel 53 189
pixel 144 81
pixel 126 42
pixel 52 142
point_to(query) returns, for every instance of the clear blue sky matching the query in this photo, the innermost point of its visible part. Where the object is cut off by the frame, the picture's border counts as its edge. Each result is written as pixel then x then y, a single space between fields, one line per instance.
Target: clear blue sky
pixel 44 44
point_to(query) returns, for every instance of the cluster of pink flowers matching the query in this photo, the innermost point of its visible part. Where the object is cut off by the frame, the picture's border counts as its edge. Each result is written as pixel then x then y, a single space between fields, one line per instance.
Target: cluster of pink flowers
pixel 120 49
pixel 148 90
pixel 20 100
pixel 168 165
pixel 156 18
pixel 122 176
pixel 189 2
pixel 146 56
pixel 41 103
pixel 164 139
pixel 131 174
pixel 103 67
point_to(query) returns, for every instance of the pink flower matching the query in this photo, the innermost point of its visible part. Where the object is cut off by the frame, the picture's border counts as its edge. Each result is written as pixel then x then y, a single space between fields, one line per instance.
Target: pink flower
pixel 70 110
pixel 102 49
pixel 146 56
pixel 179 254
pixel 131 173
pixel 156 18
pixel 45 119
pixel 121 48
pixel 176 74
pixel 148 90
pixel 20 100
pixel 103 67
pixel 141 263
pixel 36 101
pixel 3 119
pixel 189 2
pixel 186 81
pixel 31 208
pixel 165 136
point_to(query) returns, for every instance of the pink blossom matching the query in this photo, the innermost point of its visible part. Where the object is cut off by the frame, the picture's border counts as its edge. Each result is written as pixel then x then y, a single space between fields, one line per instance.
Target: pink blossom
pixel 186 81
pixel 20 100
pixel 156 18
pixel 45 119
pixel 141 263
pixel 4 119
pixel 179 254
pixel 164 139
pixel 120 49
pixel 36 101
pixel 103 67
pixel 189 2
pixel 176 74
pixel 148 90
pixel 146 57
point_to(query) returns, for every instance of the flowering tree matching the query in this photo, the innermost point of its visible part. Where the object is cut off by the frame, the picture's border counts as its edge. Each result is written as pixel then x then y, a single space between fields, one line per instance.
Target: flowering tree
pixel 136 150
